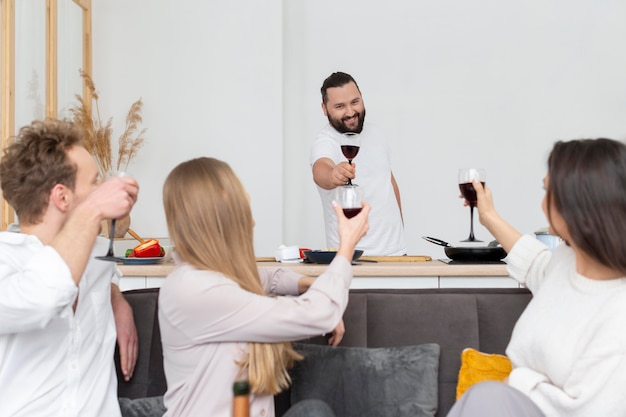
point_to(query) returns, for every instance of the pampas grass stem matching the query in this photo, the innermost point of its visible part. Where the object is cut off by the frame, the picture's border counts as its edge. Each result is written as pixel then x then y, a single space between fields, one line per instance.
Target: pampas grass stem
pixel 97 135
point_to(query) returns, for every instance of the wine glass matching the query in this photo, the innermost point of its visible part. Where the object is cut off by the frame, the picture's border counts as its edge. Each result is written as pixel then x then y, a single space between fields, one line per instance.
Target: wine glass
pixel 466 176
pixel 110 255
pixel 350 145
pixel 349 198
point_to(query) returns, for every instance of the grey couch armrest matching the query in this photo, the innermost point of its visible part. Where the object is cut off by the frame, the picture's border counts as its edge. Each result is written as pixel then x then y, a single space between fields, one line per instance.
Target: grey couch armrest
pixel 149 378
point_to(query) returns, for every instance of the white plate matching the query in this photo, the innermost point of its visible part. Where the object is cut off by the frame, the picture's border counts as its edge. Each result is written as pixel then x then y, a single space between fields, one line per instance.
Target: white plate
pixel 291 261
pixel 141 261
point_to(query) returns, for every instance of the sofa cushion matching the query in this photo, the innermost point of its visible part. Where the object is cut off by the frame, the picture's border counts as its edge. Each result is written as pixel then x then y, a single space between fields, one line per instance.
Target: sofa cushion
pixel 142 407
pixel 450 320
pixel 498 312
pixel 478 366
pixel 369 382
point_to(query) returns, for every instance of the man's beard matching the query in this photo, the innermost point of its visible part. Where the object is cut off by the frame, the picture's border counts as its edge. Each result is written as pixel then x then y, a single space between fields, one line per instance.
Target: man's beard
pixel 340 124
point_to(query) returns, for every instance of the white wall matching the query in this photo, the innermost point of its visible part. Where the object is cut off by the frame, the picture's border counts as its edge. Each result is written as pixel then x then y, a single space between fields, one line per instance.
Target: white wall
pixel 210 76
pixel 454 83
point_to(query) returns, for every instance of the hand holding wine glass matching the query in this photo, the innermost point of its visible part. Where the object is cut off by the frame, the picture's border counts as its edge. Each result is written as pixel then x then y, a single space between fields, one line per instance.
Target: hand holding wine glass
pixel 350 198
pixel 116 197
pixel 350 145
pixel 466 177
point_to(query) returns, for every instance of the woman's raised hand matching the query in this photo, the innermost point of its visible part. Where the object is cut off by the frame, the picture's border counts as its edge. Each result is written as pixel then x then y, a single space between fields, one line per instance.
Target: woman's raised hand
pixel 484 202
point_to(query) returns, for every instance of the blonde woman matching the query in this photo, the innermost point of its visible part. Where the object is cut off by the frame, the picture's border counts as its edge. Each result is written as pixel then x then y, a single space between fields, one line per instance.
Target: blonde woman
pixel 221 318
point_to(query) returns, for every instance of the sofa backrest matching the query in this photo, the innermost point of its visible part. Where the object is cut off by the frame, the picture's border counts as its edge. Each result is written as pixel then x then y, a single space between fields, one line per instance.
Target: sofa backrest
pixel 453 318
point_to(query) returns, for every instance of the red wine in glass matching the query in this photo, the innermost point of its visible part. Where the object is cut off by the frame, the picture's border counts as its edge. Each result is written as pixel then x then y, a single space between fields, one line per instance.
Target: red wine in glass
pixel 469 193
pixel 350 145
pixel 349 198
pixel 466 177
pixel 350 152
pixel 351 212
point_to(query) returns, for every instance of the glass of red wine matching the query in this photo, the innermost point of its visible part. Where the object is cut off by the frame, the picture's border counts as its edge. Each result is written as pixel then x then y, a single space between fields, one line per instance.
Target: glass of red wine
pixel 466 177
pixel 110 255
pixel 350 145
pixel 349 198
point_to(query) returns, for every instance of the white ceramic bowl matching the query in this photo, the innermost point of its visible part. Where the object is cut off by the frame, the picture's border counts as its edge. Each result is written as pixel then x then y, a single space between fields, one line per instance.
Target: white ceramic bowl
pixel 549 240
pixel 287 253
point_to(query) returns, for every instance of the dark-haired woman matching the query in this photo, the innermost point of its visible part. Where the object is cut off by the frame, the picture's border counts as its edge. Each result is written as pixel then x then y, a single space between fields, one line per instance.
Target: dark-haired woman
pixel 568 348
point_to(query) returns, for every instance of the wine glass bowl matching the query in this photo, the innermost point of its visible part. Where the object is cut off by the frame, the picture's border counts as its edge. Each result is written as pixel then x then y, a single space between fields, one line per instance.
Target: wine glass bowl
pixel 466 178
pixel 350 145
pixel 349 198
pixel 110 255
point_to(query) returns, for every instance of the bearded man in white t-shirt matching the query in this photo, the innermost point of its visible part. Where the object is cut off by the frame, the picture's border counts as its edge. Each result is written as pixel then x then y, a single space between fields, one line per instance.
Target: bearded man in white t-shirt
pixel 342 104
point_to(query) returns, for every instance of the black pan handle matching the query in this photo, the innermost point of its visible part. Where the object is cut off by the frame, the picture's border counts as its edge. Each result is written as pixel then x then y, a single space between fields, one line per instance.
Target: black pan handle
pixel 435 241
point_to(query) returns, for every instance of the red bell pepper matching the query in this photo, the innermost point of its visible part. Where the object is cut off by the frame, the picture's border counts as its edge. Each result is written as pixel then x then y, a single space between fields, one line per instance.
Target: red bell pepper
pixel 148 249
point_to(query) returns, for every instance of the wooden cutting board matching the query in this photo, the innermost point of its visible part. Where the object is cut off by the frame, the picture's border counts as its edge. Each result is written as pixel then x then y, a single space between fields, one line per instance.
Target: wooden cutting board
pixel 265 259
pixel 414 258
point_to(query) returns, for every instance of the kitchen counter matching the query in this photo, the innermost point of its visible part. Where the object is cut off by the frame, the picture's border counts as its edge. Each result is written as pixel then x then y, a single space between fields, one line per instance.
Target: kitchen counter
pixel 364 269
pixel 428 274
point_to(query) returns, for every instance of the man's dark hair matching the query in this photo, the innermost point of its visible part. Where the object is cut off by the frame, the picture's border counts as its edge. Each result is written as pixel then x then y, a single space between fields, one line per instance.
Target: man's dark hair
pixel 336 79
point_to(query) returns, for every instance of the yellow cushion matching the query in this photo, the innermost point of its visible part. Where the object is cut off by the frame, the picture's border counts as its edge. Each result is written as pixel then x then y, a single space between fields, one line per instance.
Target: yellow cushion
pixel 478 366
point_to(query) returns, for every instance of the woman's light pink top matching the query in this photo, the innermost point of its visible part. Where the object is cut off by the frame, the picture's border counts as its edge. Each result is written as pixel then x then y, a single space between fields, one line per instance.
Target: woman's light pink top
pixel 206 321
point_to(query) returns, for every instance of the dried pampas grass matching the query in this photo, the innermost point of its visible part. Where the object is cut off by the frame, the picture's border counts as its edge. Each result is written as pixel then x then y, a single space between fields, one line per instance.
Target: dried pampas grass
pixel 97 135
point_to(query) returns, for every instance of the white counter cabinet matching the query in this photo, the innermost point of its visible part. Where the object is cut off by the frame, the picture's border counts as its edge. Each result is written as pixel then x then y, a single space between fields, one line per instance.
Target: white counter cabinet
pixel 430 274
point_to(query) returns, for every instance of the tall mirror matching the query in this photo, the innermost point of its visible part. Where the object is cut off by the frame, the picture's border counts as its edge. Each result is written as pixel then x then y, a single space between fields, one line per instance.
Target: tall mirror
pixel 30 61
pixel 44 45
pixel 70 54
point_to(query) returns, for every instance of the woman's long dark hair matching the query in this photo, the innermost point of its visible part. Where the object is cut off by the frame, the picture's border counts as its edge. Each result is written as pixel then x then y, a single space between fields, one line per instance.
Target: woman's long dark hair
pixel 587 186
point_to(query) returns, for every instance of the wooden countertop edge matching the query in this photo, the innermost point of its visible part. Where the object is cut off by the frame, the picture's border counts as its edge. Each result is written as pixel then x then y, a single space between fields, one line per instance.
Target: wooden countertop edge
pixel 366 269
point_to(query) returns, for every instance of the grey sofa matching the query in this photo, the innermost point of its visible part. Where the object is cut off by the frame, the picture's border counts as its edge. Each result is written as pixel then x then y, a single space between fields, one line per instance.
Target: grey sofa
pixel 453 318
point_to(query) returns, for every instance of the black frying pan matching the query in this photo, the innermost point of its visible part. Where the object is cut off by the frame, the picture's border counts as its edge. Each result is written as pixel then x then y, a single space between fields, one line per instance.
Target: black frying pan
pixel 491 252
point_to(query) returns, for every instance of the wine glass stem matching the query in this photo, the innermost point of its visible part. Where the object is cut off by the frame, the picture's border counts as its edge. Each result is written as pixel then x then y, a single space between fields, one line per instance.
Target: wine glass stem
pixel 471 236
pixel 349 180
pixel 111 237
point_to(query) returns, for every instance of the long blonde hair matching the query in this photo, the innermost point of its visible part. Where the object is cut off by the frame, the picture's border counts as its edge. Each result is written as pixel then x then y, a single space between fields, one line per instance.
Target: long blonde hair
pixel 210 221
